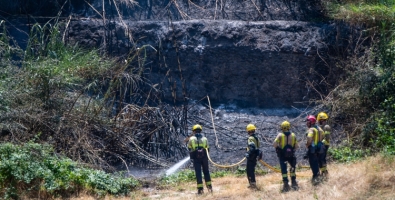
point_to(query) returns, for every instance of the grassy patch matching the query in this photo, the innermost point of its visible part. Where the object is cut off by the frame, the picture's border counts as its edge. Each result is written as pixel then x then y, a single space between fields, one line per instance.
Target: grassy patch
pixel 362 11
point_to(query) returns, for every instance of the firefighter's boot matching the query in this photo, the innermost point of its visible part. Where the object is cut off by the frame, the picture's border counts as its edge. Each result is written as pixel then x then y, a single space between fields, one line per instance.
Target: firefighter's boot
pixel 294 185
pixel 316 180
pixel 286 187
pixel 324 175
pixel 252 186
pixel 210 188
pixel 200 191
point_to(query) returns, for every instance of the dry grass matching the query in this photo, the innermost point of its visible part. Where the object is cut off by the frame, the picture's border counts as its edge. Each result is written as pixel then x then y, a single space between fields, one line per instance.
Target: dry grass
pixel 373 178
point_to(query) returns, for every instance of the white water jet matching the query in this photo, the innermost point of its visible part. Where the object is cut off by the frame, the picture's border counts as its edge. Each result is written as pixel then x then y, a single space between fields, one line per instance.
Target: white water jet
pixel 176 166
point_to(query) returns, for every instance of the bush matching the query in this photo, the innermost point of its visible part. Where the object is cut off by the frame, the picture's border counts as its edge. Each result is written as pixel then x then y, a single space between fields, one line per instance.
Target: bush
pixel 37 168
pixel 348 153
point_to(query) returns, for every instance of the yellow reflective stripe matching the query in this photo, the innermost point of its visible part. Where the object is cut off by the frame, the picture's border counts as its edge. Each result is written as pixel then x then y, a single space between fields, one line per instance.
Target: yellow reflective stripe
pixel 315 136
pixel 258 144
pixel 323 169
pixel 327 132
pixel 195 144
pixel 200 185
pixel 276 140
pixel 208 183
pixel 252 139
pixel 283 140
pixel 293 139
pixel 285 175
pixel 293 174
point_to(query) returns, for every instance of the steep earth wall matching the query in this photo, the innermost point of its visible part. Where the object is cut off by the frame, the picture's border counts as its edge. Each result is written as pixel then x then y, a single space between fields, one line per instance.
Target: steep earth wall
pixel 264 53
pixel 264 64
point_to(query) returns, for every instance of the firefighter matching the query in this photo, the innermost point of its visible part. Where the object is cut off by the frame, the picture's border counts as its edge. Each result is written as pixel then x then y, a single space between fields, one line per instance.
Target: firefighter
pixel 198 147
pixel 322 118
pixel 253 155
pixel 315 147
pixel 286 145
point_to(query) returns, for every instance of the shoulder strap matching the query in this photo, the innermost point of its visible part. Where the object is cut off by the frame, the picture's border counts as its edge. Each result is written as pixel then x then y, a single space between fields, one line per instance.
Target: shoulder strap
pixel 284 142
pixel 316 136
pixel 293 139
pixel 198 143
pixel 257 141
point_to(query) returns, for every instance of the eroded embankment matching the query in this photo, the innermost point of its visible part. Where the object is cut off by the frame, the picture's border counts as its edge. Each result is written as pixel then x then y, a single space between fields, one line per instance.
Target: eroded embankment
pixel 270 64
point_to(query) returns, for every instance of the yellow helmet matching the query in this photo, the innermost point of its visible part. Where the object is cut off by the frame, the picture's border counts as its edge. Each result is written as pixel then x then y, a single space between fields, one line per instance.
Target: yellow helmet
pixel 322 116
pixel 285 126
pixel 251 127
pixel 196 127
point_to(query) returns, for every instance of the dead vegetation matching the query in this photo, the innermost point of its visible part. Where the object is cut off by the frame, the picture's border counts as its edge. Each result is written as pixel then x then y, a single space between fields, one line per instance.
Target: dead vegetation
pixel 368 179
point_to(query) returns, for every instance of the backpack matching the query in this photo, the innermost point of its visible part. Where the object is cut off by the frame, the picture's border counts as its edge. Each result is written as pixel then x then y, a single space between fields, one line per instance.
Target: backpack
pixel 200 153
pixel 288 150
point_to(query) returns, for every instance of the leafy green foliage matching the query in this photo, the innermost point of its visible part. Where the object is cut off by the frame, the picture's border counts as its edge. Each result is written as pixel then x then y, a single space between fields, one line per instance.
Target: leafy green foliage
pixel 221 173
pixel 374 101
pixel 348 153
pixel 385 130
pixel 383 136
pixel 37 167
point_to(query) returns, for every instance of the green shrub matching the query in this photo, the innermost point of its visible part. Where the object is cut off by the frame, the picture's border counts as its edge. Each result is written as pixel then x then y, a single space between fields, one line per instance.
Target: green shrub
pixel 348 153
pixel 39 168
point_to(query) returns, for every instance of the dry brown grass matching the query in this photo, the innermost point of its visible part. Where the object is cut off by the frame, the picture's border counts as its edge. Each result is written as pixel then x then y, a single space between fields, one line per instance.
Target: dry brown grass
pixel 373 178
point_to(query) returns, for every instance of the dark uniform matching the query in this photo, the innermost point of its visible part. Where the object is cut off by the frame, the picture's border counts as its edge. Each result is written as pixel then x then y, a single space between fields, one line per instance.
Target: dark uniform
pixel 315 135
pixel 198 146
pixel 252 155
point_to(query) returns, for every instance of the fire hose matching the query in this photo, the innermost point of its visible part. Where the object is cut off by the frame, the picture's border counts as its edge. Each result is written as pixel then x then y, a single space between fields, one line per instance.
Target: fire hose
pixel 242 160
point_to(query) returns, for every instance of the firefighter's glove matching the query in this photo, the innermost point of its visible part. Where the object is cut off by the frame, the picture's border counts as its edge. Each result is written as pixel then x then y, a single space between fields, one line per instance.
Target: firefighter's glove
pixel 251 146
pixel 260 155
pixel 278 151
pixel 247 155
